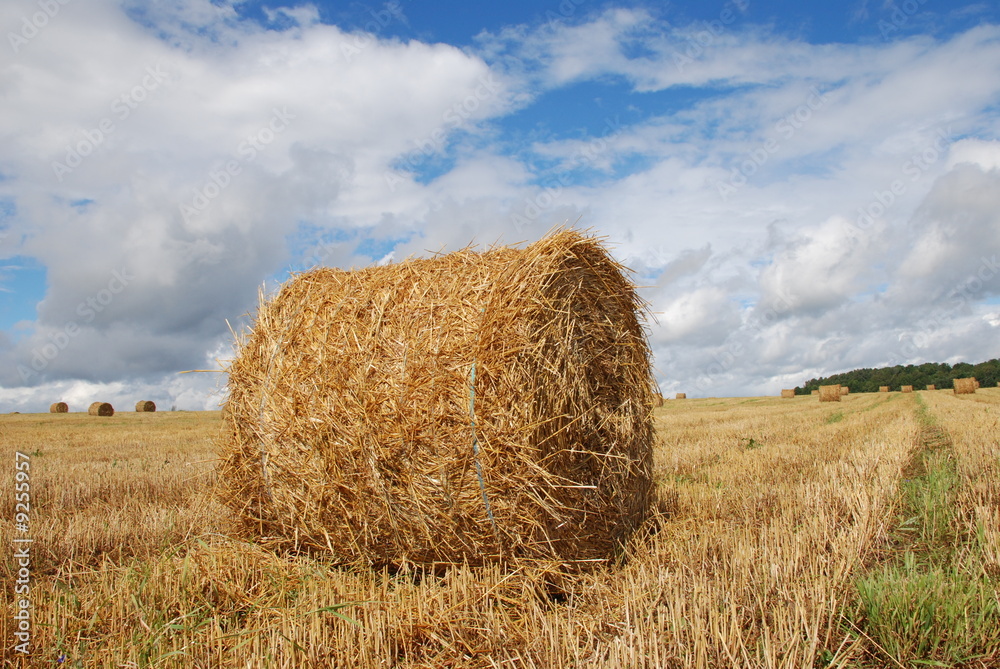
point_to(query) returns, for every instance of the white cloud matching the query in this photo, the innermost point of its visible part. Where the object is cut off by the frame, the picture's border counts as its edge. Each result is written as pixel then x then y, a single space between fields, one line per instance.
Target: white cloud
pixel 816 209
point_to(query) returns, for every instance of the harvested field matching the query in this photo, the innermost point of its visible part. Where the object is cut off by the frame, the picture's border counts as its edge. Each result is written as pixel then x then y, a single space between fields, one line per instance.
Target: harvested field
pixel 781 540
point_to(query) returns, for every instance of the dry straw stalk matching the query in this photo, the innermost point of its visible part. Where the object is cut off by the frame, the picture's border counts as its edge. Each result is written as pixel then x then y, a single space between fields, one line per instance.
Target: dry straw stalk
pixel 145 406
pixel 788 392
pixel 965 386
pixel 101 409
pixel 59 407
pixel 829 393
pixel 479 407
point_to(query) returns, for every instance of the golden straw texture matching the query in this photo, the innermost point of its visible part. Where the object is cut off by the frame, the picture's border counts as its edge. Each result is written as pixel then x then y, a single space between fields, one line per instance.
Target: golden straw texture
pixel 965 386
pixel 476 407
pixel 101 409
pixel 829 393
pixel 788 392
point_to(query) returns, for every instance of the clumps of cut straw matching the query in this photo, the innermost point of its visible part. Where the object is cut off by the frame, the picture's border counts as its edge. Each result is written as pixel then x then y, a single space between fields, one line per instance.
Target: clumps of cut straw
pixel 965 386
pixel 829 393
pixel 101 409
pixel 472 407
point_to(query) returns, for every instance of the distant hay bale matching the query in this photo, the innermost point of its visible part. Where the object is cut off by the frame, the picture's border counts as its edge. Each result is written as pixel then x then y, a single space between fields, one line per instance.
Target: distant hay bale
pixel 965 386
pixel 931 386
pixel 145 406
pixel 977 382
pixel 815 392
pixel 681 396
pixel 489 407
pixel 658 399
pixel 788 392
pixel 59 407
pixel 883 389
pixel 845 390
pixel 101 409
pixel 907 389
pixel 829 393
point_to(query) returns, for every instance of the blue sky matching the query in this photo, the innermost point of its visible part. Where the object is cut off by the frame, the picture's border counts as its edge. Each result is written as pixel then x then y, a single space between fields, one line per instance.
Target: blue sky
pixel 800 188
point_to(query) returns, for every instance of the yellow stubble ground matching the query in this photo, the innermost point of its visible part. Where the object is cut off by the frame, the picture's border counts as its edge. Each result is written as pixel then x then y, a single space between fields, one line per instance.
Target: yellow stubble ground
pixel 769 511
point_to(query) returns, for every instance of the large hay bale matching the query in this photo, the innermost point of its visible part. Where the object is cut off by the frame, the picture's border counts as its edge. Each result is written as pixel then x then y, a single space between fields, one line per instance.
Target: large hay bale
pixel 883 389
pixel 788 392
pixel 681 396
pixel 906 389
pixel 479 407
pixel 59 407
pixel 829 393
pixel 964 386
pixel 845 390
pixel 143 406
pixel 931 386
pixel 101 409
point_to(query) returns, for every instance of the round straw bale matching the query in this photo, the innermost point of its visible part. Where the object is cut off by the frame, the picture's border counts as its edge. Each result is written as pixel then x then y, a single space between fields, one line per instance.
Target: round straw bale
pixel 101 409
pixel 145 406
pixel 830 393
pixel 470 407
pixel 788 392
pixel 964 386
pixel 59 407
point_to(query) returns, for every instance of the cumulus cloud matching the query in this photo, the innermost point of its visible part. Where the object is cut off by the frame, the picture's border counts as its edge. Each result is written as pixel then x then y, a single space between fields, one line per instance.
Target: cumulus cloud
pixel 814 208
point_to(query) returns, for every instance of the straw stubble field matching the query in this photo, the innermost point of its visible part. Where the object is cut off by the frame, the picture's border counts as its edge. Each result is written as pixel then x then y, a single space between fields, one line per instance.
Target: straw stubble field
pixel 790 533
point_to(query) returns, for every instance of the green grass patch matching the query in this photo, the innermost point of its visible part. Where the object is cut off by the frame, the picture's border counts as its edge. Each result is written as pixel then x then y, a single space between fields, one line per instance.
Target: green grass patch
pixel 927 615
pixel 931 603
pixel 835 417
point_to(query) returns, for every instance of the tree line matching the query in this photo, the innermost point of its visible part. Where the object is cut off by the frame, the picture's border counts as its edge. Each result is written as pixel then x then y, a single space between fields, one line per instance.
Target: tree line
pixel 940 374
